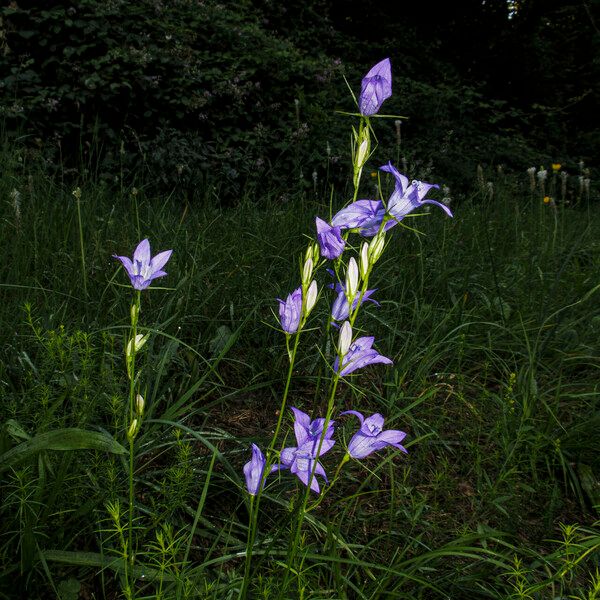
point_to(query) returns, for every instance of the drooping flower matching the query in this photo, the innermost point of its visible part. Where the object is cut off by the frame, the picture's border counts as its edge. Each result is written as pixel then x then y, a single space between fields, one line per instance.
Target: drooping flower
pixel 290 311
pixel 406 197
pixel 359 355
pixel 330 239
pixel 143 269
pixel 364 214
pixel 340 309
pixel 254 469
pixel 371 436
pixel 375 88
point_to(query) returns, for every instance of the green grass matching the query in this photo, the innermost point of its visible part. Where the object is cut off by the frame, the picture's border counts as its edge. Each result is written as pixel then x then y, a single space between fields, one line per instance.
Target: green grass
pixel 492 320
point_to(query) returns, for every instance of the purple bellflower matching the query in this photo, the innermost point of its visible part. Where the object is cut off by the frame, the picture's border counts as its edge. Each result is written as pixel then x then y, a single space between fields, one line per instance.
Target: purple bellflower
pixel 302 459
pixel 359 355
pixel 290 311
pixel 330 239
pixel 143 269
pixel 307 430
pixel 371 436
pixel 364 214
pixel 406 197
pixel 340 309
pixel 375 88
pixel 253 470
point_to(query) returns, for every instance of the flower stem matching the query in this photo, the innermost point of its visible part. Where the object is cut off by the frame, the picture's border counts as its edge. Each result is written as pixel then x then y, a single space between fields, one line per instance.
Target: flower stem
pixel 132 409
pixel 255 500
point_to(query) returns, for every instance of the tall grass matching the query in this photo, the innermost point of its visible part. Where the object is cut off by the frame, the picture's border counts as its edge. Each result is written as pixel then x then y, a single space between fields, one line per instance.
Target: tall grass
pixel 494 320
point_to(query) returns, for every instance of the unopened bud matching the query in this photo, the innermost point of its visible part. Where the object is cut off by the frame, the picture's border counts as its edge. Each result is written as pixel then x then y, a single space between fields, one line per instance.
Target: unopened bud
pixel 311 296
pixel 364 259
pixel 345 338
pixel 136 346
pixel 363 151
pixel 139 404
pixel 307 270
pixel 376 247
pixel 133 428
pixel 351 279
pixel 316 253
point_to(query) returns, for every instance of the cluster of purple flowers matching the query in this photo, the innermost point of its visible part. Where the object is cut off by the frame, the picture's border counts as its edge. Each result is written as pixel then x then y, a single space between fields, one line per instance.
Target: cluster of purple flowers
pixel 370 216
pixel 312 442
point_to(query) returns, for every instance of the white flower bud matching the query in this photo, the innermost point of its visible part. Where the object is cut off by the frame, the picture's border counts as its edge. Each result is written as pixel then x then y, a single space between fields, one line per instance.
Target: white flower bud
pixel 345 338
pixel 376 247
pixel 364 259
pixel 351 279
pixel 361 155
pixel 311 296
pixel 307 270
pixel 139 404
pixel 136 346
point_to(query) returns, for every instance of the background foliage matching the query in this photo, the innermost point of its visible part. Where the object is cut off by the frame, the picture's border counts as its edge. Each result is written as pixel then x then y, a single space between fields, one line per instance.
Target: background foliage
pixel 227 94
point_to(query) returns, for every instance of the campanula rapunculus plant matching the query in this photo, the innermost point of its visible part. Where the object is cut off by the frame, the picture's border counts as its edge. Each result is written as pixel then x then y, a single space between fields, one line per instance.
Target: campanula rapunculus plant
pixel 360 354
pixel 371 436
pixel 143 269
pixel 375 88
pixel 290 311
pixel 253 470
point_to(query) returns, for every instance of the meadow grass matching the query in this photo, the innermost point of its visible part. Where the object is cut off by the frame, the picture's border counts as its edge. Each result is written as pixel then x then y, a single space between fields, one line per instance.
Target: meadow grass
pixel 492 322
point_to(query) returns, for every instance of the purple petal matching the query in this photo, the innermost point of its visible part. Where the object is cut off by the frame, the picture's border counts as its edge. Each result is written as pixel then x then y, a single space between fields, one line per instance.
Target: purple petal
pixel 142 252
pixel 445 208
pixel 360 416
pixel 360 446
pixel 160 260
pixel 393 437
pixel 401 180
pixel 372 425
pixel 127 264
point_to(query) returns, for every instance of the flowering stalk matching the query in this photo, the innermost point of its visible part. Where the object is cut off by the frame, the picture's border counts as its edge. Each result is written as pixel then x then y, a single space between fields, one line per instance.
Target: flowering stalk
pixel 309 292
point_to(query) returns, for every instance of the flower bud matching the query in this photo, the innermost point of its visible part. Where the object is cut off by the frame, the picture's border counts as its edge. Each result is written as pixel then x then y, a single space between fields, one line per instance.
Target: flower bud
pixel 133 429
pixel 363 151
pixel 316 253
pixel 345 338
pixel 135 346
pixel 139 404
pixel 351 279
pixel 307 270
pixel 311 296
pixel 376 247
pixel 364 259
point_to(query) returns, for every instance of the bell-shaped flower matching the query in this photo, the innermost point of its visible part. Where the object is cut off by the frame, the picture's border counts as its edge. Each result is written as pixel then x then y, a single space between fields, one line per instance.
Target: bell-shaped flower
pixel 253 470
pixel 360 354
pixel 365 215
pixel 302 459
pixel 407 197
pixel 290 311
pixel 143 269
pixel 375 88
pixel 330 239
pixel 306 430
pixel 371 436
pixel 340 309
